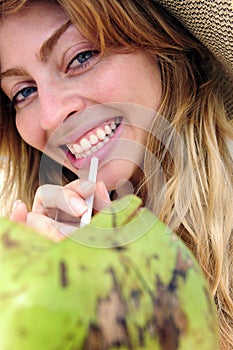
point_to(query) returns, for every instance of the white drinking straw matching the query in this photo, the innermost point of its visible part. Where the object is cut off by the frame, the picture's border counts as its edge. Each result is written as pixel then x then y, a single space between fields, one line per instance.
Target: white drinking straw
pixel 86 218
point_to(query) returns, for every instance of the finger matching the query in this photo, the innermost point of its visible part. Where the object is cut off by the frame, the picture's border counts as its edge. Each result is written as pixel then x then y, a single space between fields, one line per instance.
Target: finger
pixel 84 188
pixel 19 212
pixel 63 198
pixel 45 226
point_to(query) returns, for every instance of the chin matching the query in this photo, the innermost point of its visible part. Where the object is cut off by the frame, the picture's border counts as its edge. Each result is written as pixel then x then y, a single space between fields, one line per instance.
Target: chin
pixel 115 174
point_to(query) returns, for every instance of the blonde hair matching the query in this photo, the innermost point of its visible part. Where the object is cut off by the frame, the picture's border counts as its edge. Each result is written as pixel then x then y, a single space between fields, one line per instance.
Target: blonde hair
pixel 194 194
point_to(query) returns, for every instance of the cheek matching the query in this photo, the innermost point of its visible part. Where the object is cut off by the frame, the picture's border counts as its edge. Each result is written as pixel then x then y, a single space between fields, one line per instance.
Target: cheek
pixel 135 80
pixel 30 132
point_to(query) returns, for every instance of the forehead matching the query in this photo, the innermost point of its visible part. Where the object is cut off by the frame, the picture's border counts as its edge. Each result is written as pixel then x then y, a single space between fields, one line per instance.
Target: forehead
pixel 30 26
pixel 32 10
pixel 32 16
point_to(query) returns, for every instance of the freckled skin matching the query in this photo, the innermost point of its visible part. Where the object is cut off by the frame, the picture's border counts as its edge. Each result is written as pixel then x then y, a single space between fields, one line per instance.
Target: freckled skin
pixel 126 78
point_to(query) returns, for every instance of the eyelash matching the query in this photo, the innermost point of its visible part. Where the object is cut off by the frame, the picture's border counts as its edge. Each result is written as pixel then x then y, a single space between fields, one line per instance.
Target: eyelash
pixel 81 65
pixel 14 101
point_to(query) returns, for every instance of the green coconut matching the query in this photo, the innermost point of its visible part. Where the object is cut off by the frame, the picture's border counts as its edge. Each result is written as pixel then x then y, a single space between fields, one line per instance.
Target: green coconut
pixel 124 281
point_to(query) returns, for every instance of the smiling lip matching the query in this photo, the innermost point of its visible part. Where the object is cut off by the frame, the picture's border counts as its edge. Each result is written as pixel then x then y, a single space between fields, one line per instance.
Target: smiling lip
pixel 96 141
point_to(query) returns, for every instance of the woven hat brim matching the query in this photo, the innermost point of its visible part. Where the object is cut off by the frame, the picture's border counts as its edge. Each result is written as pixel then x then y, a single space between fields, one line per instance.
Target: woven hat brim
pixel 211 21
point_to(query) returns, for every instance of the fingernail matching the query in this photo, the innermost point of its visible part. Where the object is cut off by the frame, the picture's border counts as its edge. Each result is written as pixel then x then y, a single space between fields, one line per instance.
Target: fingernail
pixel 16 204
pixel 78 206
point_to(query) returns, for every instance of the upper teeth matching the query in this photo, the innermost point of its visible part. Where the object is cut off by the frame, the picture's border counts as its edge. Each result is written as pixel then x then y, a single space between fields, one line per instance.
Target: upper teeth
pixel 86 146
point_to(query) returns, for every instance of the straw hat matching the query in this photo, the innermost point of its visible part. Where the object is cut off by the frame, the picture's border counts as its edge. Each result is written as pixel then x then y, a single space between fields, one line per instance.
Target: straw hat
pixel 211 21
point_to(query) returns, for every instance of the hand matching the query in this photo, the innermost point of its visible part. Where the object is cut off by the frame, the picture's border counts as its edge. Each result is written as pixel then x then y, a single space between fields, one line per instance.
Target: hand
pixel 56 210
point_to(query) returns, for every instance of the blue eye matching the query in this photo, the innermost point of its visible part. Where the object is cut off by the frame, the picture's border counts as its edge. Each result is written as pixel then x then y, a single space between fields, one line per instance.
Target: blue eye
pixel 84 56
pixel 23 94
pixel 82 59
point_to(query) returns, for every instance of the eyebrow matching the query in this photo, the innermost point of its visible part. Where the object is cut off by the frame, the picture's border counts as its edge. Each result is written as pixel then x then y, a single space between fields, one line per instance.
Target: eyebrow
pixel 45 52
pixel 49 44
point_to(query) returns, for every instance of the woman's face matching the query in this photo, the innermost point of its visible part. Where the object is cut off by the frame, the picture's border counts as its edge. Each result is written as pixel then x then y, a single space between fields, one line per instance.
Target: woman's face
pixel 57 81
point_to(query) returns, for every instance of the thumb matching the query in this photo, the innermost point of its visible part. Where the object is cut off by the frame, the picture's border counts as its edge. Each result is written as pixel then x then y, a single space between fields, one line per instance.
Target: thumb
pixel 101 197
pixel 19 212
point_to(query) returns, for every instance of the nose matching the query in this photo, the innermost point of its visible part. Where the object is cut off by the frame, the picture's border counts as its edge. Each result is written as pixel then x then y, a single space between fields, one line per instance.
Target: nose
pixel 56 105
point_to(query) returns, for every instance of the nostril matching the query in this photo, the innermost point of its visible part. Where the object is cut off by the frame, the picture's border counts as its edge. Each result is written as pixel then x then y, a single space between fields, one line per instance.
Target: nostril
pixel 70 114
